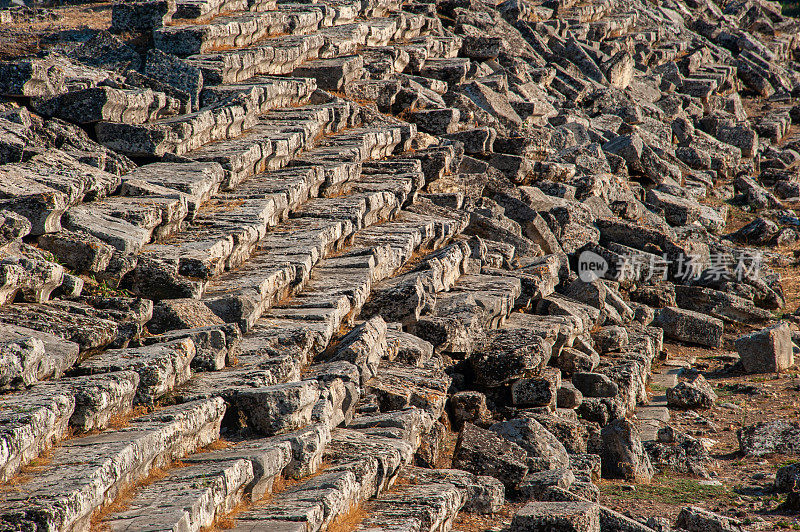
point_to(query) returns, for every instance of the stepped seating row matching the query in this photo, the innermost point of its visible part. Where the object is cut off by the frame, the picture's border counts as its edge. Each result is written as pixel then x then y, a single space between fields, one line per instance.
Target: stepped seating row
pixel 223 484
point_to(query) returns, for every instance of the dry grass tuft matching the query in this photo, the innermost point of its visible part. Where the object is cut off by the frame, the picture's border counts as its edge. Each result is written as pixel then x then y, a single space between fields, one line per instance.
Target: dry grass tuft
pixel 122 420
pixel 122 500
pixel 348 521
pixel 228 521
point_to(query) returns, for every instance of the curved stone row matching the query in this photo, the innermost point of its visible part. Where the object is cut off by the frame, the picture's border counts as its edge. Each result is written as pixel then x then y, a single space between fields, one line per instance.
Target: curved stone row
pixel 372 264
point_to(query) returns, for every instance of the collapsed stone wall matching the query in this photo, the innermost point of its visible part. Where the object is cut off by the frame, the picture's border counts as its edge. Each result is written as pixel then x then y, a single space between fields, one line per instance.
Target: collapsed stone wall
pixel 321 238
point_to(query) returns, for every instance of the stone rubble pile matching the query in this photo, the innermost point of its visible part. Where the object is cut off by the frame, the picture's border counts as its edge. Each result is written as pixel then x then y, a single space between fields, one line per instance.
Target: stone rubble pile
pixel 269 257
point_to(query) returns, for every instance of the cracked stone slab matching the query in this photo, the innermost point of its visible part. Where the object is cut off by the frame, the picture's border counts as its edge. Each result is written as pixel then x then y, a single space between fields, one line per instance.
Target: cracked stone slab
pixel 86 472
pixel 161 367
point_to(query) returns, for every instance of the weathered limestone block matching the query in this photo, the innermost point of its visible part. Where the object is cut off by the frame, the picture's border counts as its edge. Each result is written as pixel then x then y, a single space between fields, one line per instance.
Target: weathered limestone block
pixel 134 106
pixel 84 473
pixel 31 77
pixel 544 450
pixel 769 350
pixel 483 452
pixel 398 386
pixel 161 367
pixel 558 516
pixel 365 346
pixel 142 16
pixel 483 494
pixel 689 326
pixel 32 421
pixel 26 363
pixel 623 454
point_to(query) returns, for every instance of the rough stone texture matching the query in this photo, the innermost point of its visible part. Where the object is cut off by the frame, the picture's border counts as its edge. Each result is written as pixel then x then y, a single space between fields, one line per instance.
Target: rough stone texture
pixel 689 326
pixel 769 350
pixel 695 392
pixel 491 205
pixel 623 454
pixel 764 438
pixel 483 452
pixel 558 516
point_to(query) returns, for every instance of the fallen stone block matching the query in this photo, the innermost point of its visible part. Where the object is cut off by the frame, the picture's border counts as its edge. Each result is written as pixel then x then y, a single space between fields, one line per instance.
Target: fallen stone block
pixel 769 350
pixel 689 326
pixel 483 452
pixel 557 517
pixel 537 391
pixel 775 437
pixel 544 450
pixel 692 393
pixel 694 519
pixel 623 453
pixel 142 16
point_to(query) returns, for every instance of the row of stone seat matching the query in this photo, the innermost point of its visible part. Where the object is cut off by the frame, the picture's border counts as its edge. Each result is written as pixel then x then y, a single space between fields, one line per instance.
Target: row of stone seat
pixel 238 470
pixel 288 53
pixel 163 366
pixel 242 29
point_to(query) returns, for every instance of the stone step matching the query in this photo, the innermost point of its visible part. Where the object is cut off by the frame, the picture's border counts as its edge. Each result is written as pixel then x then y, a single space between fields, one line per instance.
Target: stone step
pixel 266 403
pixel 282 54
pixel 304 326
pixel 428 507
pixel 27 274
pixel 225 232
pixel 236 30
pixel 482 494
pixel 332 74
pixel 129 223
pixel 32 355
pixel 266 410
pixel 161 367
pixel 573 515
pixel 208 485
pixel 88 332
pixel 196 182
pixel 273 56
pixel 180 134
pixel 87 106
pixel 36 419
pixel 462 314
pixel 360 466
pixel 202 9
pixel 216 346
pixel 87 473
pixel 201 492
pixel 404 297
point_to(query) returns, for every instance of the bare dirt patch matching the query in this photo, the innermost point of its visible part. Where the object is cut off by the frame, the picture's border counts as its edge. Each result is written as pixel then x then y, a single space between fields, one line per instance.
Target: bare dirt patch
pixel 30 31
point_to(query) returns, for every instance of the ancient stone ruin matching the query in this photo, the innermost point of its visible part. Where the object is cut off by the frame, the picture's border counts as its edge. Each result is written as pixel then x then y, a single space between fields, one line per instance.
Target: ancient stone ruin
pixel 397 265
